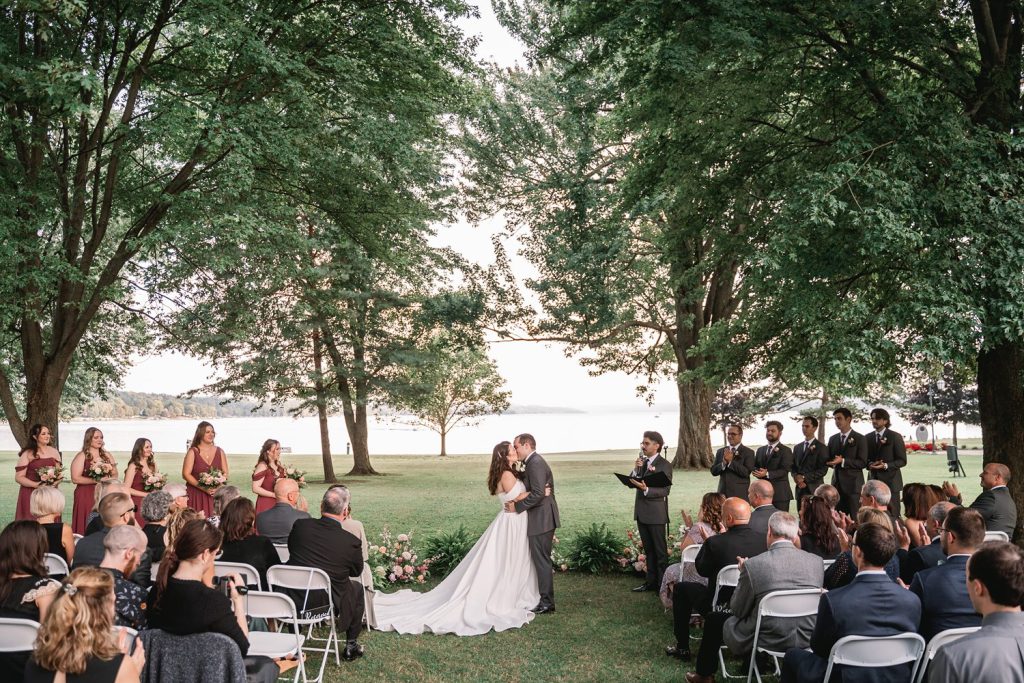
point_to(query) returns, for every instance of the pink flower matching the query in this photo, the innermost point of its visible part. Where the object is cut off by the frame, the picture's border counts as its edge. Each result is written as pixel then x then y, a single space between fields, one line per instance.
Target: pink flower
pixel 564 567
pixel 641 558
pixel 382 550
pixel 396 569
pixel 403 538
pixel 409 569
pixel 406 556
pixel 391 578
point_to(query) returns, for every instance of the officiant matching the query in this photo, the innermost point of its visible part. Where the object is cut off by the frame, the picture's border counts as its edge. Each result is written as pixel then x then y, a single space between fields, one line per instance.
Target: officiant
pixel 651 508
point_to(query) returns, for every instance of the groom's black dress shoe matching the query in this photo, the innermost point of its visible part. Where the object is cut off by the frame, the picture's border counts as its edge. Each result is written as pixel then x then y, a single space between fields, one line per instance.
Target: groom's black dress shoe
pixel 642 588
pixel 673 651
pixel 543 609
pixel 353 650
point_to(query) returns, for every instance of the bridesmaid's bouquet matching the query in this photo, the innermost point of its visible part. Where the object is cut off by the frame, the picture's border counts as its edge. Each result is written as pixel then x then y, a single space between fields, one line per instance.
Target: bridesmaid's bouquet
pixel 298 475
pixel 395 561
pixel 154 482
pixel 212 478
pixel 99 470
pixel 50 476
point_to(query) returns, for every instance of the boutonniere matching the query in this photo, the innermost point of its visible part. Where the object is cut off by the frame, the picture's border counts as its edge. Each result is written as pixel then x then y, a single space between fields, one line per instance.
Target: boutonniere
pixel 883 441
pixel 519 466
pixel 650 468
pixel 849 441
pixel 813 446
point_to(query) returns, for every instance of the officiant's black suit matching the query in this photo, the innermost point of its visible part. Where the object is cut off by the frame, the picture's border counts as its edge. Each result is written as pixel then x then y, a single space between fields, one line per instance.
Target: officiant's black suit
pixel 542 520
pixel 651 514
pixel 809 460
pixel 848 478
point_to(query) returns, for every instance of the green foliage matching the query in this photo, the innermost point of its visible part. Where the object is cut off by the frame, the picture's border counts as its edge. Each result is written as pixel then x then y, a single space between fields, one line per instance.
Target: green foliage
pixel 594 550
pixel 447 548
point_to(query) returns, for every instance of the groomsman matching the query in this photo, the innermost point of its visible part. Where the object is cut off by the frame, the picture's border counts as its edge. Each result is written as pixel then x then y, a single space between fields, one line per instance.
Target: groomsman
pixel 772 464
pixel 650 510
pixel 809 458
pixel 733 464
pixel 848 451
pixel 887 455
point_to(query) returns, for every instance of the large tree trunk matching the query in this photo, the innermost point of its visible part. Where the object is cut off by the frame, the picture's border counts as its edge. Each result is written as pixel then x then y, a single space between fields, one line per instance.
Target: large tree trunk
pixel 359 432
pixel 693 449
pixel 321 411
pixel 44 386
pixel 1000 397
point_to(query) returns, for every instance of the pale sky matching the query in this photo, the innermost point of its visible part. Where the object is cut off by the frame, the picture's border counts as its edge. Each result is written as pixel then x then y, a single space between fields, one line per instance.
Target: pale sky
pixel 536 374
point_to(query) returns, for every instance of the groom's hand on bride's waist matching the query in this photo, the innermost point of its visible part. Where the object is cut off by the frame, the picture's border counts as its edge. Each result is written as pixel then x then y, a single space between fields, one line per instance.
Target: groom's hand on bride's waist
pixel 510 506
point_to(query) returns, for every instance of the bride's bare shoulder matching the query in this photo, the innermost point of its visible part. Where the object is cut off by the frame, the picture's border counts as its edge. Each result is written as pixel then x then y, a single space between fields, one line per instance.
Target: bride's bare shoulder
pixel 508 480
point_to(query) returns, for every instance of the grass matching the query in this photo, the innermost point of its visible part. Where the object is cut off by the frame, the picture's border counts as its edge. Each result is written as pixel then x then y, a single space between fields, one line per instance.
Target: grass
pixel 601 632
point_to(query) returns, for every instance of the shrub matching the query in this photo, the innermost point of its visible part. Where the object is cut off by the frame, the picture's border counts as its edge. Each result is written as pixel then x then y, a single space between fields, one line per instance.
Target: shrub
pixel 446 550
pixel 594 550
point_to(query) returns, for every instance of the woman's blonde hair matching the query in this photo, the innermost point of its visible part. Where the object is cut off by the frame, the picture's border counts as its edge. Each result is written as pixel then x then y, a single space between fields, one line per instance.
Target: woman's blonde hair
pixel 46 500
pixel 873 516
pixel 179 517
pixel 79 624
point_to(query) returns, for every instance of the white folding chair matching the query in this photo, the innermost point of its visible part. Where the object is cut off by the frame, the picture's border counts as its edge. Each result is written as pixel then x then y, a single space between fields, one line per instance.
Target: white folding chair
pixel 828 563
pixel 154 569
pixel 690 553
pixel 55 564
pixel 789 604
pixel 308 579
pixel 18 635
pixel 939 640
pixel 282 551
pixel 246 571
pixel 997 536
pixel 728 576
pixel 876 652
pixel 267 605
pixel 77 537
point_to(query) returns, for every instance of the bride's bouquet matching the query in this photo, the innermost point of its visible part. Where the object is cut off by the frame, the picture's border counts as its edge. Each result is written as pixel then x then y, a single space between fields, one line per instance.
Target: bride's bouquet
pixel 212 478
pixel 291 472
pixel 99 470
pixel 395 561
pixel 50 476
pixel 154 482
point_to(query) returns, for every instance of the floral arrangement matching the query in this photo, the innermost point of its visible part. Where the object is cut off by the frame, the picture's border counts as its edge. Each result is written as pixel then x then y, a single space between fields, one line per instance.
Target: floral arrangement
pixel 395 561
pixel 212 478
pixel 558 559
pixel 291 472
pixel 154 482
pixel 98 470
pixel 50 476
pixel 634 558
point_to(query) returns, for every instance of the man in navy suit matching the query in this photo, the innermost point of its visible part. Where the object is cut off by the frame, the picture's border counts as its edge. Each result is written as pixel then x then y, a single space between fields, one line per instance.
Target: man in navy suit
pixel 871 605
pixel 943 589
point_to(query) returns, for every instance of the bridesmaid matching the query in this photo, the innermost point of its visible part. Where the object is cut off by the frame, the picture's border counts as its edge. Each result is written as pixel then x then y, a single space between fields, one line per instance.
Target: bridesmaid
pixel 202 455
pixel 268 471
pixel 140 466
pixel 85 489
pixel 38 453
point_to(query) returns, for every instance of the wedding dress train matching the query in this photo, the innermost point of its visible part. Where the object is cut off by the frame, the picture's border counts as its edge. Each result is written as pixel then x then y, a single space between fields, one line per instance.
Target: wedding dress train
pixel 494 587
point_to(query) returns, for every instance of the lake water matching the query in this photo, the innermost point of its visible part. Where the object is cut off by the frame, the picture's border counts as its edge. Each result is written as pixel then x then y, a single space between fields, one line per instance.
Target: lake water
pixel 599 430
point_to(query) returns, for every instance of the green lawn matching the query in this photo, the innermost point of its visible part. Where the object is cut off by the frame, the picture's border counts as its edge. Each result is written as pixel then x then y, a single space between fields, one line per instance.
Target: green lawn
pixel 601 632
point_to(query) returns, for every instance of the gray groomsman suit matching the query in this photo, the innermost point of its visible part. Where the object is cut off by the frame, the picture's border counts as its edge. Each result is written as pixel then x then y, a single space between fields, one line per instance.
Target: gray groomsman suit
pixel 993 654
pixel 541 523
pixel 782 567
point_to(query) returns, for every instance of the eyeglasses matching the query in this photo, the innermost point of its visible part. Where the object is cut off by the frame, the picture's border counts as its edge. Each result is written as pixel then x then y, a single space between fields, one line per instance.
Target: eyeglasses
pixel 129 511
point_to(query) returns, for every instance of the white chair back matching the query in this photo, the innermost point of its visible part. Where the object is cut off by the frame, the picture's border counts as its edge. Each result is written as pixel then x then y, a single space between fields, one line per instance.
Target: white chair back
pixel 828 563
pixel 55 564
pixel 77 537
pixel 728 576
pixel 939 640
pixel 876 651
pixel 154 569
pixel 282 551
pixel 246 571
pixel 308 579
pixel 690 553
pixel 18 635
pixel 997 536
pixel 788 604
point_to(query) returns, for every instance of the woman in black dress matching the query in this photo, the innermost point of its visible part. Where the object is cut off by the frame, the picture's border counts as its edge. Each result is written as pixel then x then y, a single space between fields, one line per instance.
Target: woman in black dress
pixel 84 608
pixel 156 510
pixel 241 544
pixel 818 533
pixel 47 506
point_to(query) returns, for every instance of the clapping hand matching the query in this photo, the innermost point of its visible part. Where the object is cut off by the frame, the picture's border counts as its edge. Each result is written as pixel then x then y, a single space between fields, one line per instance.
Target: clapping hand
pixel 844 540
pixel 950 490
pixel 687 520
pixel 835 462
pixel 705 533
pixel 760 473
pixel 740 561
pixel 902 535
pixel 876 465
pixel 918 532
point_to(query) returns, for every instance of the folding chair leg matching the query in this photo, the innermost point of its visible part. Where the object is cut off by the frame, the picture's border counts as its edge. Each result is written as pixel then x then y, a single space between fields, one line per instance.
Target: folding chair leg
pixel 721 664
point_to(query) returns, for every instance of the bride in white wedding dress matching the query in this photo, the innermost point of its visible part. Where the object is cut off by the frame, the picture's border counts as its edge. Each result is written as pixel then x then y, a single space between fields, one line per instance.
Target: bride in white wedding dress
pixel 495 585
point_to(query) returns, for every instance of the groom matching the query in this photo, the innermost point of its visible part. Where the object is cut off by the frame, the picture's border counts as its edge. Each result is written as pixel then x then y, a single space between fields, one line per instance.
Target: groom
pixel 542 518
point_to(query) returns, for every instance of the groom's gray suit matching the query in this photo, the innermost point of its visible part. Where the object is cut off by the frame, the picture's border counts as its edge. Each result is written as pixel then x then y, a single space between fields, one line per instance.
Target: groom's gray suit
pixel 541 523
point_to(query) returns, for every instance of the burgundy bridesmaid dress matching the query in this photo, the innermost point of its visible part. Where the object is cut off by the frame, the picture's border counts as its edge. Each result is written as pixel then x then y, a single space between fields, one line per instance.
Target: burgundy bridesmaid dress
pixel 21 511
pixel 269 478
pixel 199 499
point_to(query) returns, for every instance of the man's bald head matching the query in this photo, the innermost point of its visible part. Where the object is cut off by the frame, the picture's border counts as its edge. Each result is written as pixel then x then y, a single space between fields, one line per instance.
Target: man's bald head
pixel 286 491
pixel 735 511
pixel 760 493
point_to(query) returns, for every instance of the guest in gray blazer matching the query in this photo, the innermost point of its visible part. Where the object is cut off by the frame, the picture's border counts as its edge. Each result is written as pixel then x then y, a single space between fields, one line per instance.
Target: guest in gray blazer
pixel 782 567
pixel 276 523
pixel 995 653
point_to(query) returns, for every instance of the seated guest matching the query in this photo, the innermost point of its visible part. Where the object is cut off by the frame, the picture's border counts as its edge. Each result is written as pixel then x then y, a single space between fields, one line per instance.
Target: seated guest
pixel 96 652
pixel 25 590
pixel 116 509
pixel 872 605
pixel 355 527
pixel 738 540
pixel 760 493
pixel 179 517
pixel 709 523
pixel 844 568
pixel 994 503
pixel 830 494
pixel 918 499
pixel 241 544
pixel 183 600
pixel 46 505
pixel 223 496
pixel 276 523
pixel 179 495
pixel 876 494
pixel 995 584
pixel 943 589
pixel 105 486
pixel 123 548
pixel 156 511
pixel 782 567
pixel 324 544
pixel 818 533
pixel 928 552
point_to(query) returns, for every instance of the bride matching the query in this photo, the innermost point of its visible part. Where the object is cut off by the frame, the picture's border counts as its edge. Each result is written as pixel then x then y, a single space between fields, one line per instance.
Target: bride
pixel 495 585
